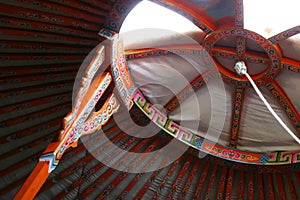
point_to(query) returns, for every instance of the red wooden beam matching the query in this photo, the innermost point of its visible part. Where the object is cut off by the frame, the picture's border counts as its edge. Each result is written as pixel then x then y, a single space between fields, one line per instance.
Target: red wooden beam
pixel 260 185
pixel 281 187
pixel 140 175
pixel 83 162
pixel 230 53
pixel 191 177
pixel 179 179
pixel 270 186
pixel 146 186
pixel 286 104
pixel 229 184
pixel 68 7
pixel 123 175
pixel 250 184
pixel 88 94
pixel 179 50
pixel 194 86
pixel 29 131
pixel 133 146
pixel 49 100
pixel 239 14
pixel 210 187
pixel 285 34
pixel 51 28
pixel 165 180
pixel 221 186
pixel 201 181
pixel 237 105
pixel 290 64
pixel 291 186
pixel 241 186
pixel 48 37
pixel 42 69
pixel 241 47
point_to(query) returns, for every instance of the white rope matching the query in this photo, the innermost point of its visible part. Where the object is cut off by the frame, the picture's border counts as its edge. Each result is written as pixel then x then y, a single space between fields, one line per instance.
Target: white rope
pixel 241 69
pixel 270 108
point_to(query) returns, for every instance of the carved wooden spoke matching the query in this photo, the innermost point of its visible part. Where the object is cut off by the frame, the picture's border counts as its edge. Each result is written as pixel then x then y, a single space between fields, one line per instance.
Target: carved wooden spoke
pixel 239 14
pixel 82 120
pixel 290 64
pixel 250 57
pixel 179 50
pixel 236 115
pixel 285 103
pixel 240 47
pixel 239 23
pixel 285 34
pixel 195 85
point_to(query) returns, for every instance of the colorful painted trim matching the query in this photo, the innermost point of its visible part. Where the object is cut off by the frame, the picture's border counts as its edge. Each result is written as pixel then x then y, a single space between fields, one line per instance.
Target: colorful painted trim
pixel 75 131
pixel 85 83
pixel 194 140
pixel 107 34
pixel 236 116
pixel 239 14
pixel 98 119
pixel 290 64
pixel 279 158
pixel 241 47
pixel 285 34
pixel 143 53
pixel 121 74
pixel 230 53
pixel 51 158
pixel 285 103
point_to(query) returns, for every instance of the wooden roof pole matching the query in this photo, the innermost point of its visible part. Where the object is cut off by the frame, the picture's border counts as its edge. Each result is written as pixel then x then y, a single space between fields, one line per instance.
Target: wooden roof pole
pixel 92 87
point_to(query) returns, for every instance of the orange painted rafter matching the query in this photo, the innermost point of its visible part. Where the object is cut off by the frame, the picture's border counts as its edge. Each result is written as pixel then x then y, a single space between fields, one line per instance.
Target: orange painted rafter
pixel 286 104
pixel 229 184
pixel 170 47
pixel 82 120
pixel 241 47
pixel 285 34
pixel 34 182
pixel 239 14
pixel 250 185
pixel 158 51
pixel 241 185
pixel 41 172
pixel 290 64
pixel 194 85
pixel 230 53
pixel 198 16
pixel 237 105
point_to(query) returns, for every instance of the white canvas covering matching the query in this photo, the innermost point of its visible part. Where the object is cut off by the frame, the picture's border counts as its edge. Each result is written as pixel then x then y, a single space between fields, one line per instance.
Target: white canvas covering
pixel 160 77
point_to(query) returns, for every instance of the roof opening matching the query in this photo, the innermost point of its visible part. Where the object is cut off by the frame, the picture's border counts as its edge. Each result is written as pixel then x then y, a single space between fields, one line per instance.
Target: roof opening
pixel 150 15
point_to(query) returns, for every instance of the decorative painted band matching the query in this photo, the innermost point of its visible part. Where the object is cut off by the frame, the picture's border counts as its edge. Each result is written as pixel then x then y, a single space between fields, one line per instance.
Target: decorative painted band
pixel 123 81
pixel 73 132
pixel 194 140
pixel 209 147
